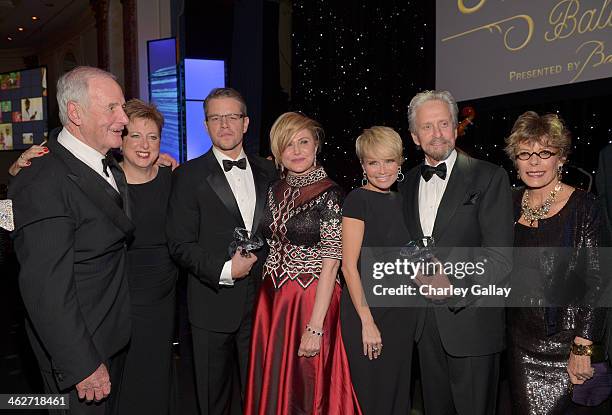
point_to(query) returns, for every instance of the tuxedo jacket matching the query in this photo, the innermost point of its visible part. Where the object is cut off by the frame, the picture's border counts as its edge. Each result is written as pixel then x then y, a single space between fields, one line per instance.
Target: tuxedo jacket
pixel 70 239
pixel 604 189
pixel 475 212
pixel 202 216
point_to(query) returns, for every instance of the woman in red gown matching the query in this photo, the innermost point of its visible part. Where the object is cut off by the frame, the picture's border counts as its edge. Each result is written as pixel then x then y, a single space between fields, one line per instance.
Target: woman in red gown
pixel 297 362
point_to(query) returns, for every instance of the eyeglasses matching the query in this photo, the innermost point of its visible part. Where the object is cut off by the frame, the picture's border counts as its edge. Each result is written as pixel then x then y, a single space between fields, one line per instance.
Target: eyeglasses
pixel 215 119
pixel 544 154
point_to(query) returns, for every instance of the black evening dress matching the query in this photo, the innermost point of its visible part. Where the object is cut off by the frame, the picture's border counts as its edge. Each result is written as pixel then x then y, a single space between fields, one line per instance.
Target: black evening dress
pixel 152 278
pixel 382 385
pixel 540 337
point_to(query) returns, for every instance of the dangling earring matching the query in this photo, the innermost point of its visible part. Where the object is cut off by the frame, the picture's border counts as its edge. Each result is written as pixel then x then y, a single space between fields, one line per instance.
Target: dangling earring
pixel 560 172
pixel 314 163
pixel 364 181
pixel 400 175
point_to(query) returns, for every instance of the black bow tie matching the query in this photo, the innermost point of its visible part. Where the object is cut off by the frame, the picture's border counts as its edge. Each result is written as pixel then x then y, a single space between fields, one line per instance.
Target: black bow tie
pixel 228 164
pixel 108 161
pixel 428 171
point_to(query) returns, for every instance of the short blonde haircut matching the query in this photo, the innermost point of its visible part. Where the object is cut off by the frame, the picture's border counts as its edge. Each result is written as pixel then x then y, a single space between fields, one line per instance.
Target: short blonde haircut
pixel 284 129
pixel 546 130
pixel 379 141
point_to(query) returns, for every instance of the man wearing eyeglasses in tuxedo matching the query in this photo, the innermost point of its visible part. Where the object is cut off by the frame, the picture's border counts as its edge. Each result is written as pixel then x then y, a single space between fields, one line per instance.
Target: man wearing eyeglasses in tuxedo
pixel 213 195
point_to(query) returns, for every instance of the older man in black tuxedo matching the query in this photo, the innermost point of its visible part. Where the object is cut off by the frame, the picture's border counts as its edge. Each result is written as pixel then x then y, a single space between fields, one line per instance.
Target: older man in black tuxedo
pixel 460 202
pixel 71 230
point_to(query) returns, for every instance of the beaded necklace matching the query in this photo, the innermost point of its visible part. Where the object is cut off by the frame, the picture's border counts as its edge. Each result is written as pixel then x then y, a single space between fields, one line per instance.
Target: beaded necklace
pixel 533 214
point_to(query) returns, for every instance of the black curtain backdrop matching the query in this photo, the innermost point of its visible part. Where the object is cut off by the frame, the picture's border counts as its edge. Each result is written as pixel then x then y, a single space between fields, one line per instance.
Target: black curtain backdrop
pixel 245 34
pixel 358 64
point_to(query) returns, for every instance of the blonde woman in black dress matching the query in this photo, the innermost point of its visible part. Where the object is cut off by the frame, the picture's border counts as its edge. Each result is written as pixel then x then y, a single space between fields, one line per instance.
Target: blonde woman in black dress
pixel 378 340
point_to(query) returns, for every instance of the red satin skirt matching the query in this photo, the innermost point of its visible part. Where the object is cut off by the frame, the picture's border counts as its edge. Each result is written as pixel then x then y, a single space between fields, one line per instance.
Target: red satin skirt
pixel 280 382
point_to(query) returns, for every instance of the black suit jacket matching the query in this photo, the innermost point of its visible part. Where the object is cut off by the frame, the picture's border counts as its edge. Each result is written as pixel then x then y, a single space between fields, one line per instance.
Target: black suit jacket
pixel 70 239
pixel 475 212
pixel 202 216
pixel 604 188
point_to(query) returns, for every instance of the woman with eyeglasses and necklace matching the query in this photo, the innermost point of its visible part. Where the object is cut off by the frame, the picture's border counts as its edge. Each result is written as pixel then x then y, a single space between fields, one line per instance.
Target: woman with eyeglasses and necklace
pixel 297 362
pixel 554 343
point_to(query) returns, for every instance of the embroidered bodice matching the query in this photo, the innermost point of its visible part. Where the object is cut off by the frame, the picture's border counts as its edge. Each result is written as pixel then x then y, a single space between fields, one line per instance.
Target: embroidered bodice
pixel 302 225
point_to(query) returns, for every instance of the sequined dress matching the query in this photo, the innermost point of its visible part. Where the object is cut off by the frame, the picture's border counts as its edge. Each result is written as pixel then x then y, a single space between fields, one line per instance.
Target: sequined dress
pixel 540 337
pixel 302 225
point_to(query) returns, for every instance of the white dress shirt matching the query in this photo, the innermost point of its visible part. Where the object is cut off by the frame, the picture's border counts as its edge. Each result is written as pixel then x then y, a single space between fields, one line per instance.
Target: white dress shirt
pixel 86 154
pixel 430 194
pixel 243 187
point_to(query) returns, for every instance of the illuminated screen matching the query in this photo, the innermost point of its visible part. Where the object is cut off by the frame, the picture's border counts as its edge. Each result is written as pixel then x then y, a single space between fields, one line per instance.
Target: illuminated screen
pixel 492 47
pixel 163 91
pixel 201 75
pixel 23 108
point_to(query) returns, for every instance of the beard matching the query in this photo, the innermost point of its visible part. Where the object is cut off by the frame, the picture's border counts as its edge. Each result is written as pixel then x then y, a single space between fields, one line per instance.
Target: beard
pixel 439 153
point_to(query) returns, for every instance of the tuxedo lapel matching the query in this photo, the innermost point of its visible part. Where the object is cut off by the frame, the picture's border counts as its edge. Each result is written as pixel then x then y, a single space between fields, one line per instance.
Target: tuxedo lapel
pixel 411 200
pixel 218 183
pixel 122 185
pixel 95 188
pixel 453 196
pixel 260 193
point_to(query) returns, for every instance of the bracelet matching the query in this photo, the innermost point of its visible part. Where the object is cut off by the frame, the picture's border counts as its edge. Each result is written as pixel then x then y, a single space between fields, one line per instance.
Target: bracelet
pixel 313 331
pixel 581 349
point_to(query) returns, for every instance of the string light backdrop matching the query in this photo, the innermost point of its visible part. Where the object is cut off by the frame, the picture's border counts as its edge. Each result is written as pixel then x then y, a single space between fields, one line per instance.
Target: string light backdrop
pixel 358 64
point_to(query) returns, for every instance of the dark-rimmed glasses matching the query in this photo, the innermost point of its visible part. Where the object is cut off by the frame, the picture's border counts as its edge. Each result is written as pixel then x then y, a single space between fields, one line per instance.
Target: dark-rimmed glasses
pixel 544 154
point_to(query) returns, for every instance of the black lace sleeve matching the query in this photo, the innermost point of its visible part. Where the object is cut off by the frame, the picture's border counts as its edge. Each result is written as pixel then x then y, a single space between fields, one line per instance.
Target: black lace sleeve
pixel 331 224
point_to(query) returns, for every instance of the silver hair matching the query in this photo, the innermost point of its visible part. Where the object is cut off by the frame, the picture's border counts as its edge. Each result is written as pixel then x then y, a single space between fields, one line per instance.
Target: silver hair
pixel 434 95
pixel 73 86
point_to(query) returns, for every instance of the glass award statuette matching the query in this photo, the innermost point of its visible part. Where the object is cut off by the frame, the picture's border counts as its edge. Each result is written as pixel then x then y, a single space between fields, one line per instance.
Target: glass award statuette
pixel 247 243
pixel 419 250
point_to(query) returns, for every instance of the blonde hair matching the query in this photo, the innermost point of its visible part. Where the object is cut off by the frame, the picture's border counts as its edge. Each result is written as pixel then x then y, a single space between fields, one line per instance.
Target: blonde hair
pixel 546 130
pixel 284 129
pixel 379 141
